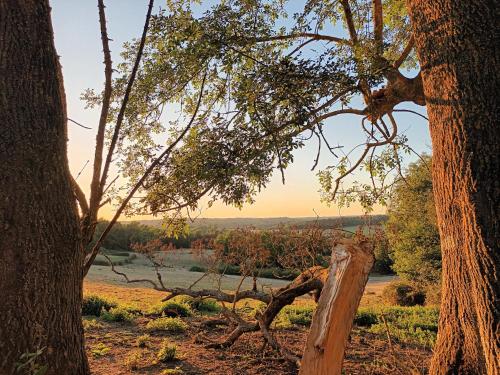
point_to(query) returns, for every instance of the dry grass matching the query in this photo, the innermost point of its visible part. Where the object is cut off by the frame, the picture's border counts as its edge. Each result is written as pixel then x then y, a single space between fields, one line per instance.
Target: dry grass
pixel 367 353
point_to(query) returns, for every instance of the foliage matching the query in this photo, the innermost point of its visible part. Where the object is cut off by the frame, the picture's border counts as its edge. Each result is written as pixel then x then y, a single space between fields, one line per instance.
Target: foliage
pixel 197 269
pixel 174 325
pixel 416 325
pixel 411 228
pixel 433 295
pixel 209 305
pixel 252 91
pixel 117 314
pixel 167 352
pixel 295 314
pixel 383 262
pixel 403 294
pixel 173 309
pixel 91 324
pixel 133 360
pixel 143 340
pixel 100 350
pixel 282 252
pixel 94 305
pixel 172 371
pixel 365 318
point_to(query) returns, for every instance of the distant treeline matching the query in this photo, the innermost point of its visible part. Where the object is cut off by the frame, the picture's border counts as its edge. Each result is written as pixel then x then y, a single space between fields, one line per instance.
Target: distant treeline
pixel 123 236
pixel 274 222
pixel 346 221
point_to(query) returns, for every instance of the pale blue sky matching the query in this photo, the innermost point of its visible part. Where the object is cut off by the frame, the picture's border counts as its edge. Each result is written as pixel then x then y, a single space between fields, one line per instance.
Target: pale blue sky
pixel 78 43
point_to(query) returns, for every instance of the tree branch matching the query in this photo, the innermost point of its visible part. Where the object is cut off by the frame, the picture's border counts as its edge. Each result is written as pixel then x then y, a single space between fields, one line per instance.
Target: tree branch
pixel 106 99
pixel 80 197
pixel 378 26
pixel 405 53
pixel 312 36
pixel 349 21
pixel 95 250
pixel 121 113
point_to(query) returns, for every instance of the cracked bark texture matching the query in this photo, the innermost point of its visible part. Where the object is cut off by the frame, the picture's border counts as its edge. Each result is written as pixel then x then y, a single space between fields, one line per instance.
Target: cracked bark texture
pixel 458 48
pixel 40 246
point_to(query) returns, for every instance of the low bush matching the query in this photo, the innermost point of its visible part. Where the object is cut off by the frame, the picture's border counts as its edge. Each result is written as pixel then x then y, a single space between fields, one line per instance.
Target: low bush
pixel 365 318
pixel 94 305
pixel 416 324
pixel 100 350
pixel 299 315
pixel 117 314
pixel 173 308
pixel 133 360
pixel 172 371
pixel 91 324
pixel 206 305
pixel 167 352
pixel 174 325
pixel 402 294
pixel 143 341
pixel 197 269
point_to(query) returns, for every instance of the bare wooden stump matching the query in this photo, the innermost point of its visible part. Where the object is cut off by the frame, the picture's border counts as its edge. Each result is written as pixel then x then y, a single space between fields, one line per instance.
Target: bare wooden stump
pixel 337 305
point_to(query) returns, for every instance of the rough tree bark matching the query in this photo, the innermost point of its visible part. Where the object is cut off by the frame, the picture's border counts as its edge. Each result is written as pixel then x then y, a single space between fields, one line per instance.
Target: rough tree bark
pixel 40 247
pixel 337 305
pixel 458 48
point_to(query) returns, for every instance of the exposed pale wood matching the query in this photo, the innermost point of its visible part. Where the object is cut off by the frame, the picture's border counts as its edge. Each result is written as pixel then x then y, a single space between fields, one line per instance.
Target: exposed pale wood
pixel 339 300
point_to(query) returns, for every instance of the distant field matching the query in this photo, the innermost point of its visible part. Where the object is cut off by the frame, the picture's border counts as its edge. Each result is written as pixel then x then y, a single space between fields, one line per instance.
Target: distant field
pixel 177 274
pixel 272 222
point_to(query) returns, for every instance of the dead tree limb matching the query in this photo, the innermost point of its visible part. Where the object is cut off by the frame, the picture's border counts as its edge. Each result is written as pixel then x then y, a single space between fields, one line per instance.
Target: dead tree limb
pixel 333 319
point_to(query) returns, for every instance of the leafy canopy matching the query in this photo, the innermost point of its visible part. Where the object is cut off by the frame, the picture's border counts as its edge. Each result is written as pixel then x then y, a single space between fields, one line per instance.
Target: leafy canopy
pixel 250 81
pixel 411 228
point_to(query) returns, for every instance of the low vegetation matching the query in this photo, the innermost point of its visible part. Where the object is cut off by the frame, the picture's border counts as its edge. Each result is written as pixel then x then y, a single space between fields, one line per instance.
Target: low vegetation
pixel 95 305
pixel 167 352
pixel 166 324
pixel 117 314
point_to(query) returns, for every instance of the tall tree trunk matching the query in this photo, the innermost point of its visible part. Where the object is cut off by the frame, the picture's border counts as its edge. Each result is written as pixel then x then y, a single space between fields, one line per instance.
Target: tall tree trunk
pixel 458 43
pixel 40 249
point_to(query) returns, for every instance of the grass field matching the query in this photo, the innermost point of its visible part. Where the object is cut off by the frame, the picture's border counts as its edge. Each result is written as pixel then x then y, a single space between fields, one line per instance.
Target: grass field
pixel 177 274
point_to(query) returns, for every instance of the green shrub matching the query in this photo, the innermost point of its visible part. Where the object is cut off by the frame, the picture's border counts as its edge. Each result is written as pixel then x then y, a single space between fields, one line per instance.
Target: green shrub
pixel 173 308
pixel 94 305
pixel 167 352
pixel 117 314
pixel 175 325
pixel 133 360
pixel 143 340
pixel 100 262
pixel 416 324
pixel 365 318
pixel 299 315
pixel 402 294
pixel 91 323
pixel 197 269
pixel 198 304
pixel 100 350
pixel 206 305
pixel 172 371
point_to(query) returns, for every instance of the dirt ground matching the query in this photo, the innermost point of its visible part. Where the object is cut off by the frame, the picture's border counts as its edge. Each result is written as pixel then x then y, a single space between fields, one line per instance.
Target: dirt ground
pixel 366 353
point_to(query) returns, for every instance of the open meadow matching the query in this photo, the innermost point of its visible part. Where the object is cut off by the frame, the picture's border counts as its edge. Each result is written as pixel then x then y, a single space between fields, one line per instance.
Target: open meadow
pixel 128 333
